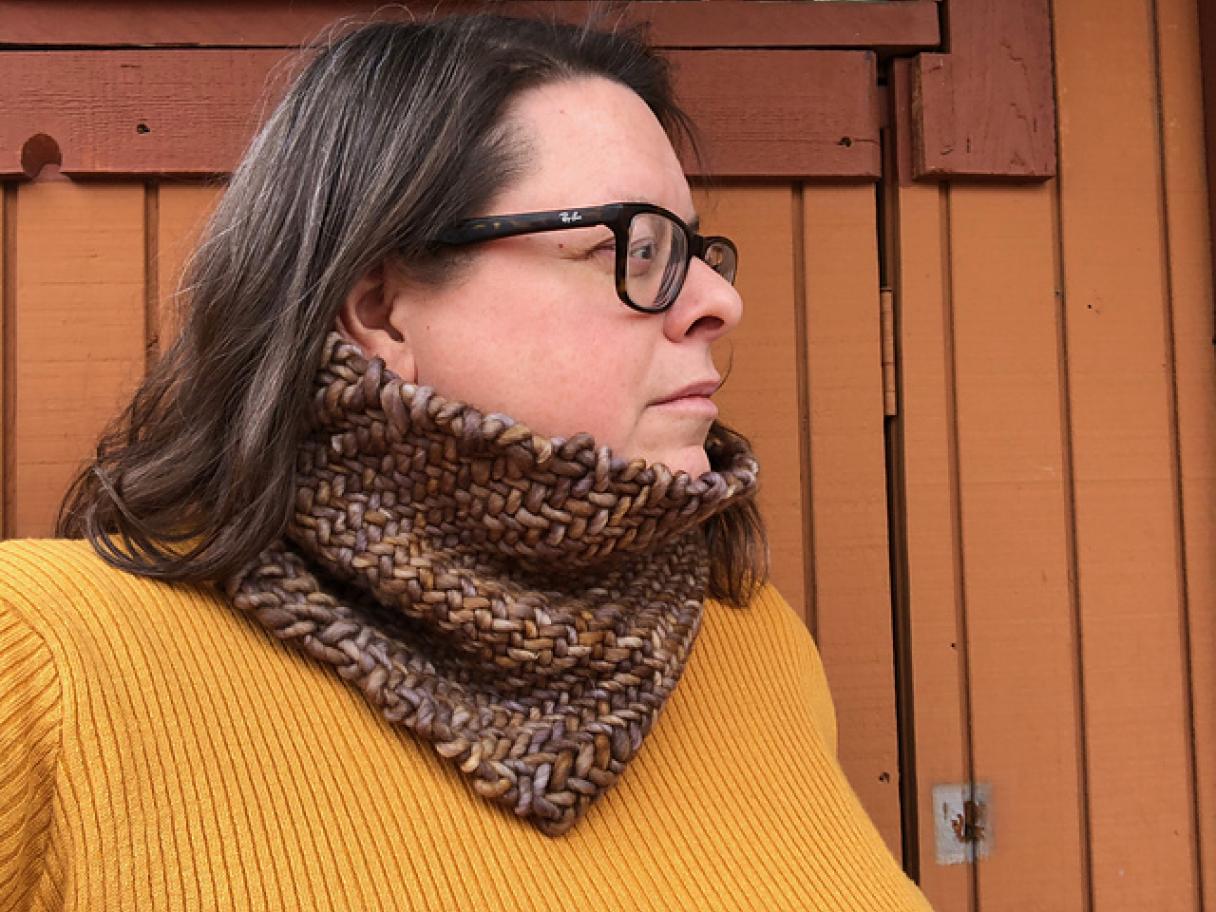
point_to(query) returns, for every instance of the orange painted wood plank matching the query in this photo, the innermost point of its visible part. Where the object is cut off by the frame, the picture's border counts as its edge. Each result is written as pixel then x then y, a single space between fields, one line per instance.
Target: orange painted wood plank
pixel 78 333
pixel 760 396
pixel 927 459
pixel 902 26
pixel 1014 522
pixel 1206 26
pixel 181 213
pixel 848 489
pixel 1193 328
pixel 1129 556
pixel 192 112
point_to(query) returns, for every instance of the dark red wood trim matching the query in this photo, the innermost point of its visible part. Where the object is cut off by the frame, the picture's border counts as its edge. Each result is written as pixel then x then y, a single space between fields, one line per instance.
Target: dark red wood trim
pixel 778 113
pixel 987 108
pixel 125 113
pixel 902 26
pixel 900 101
pixel 783 114
pixel 1207 51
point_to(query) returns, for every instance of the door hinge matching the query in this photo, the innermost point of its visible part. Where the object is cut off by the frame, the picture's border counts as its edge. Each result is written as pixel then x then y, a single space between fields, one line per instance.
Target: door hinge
pixel 963 822
pixel 886 304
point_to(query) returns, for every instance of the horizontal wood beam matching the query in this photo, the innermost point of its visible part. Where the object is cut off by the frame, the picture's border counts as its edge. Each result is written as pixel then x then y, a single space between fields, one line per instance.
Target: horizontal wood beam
pixel 174 113
pixel 783 114
pixel 902 26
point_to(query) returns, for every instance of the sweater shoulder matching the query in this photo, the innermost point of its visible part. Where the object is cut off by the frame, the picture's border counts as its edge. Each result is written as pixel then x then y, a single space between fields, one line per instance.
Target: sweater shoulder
pixel 55 582
pixel 103 623
pixel 30 745
pixel 771 636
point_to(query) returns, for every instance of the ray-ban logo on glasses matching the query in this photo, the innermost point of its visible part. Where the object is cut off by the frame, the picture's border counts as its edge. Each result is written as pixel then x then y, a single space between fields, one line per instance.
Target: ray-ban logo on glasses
pixel 568 217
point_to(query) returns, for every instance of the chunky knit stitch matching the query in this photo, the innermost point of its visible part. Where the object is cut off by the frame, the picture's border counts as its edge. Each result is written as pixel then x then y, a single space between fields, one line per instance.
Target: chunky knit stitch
pixel 525 603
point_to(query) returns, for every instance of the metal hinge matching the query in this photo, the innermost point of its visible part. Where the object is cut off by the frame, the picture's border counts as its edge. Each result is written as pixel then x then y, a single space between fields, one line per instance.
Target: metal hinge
pixel 886 305
pixel 963 822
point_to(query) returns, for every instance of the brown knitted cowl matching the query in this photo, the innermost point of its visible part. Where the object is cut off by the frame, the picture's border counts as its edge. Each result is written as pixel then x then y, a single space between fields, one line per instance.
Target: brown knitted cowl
pixel 525 603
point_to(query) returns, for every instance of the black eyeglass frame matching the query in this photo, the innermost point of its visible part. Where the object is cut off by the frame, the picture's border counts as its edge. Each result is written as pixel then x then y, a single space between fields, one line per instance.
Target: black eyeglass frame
pixel 616 216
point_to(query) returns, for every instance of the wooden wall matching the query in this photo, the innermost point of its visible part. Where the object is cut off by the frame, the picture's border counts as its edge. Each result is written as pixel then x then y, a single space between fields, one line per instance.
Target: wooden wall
pixel 1057 462
pixel 1012 578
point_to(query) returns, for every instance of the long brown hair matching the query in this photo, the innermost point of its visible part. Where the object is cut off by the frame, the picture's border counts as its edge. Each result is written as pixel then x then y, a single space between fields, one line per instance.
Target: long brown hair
pixel 391 132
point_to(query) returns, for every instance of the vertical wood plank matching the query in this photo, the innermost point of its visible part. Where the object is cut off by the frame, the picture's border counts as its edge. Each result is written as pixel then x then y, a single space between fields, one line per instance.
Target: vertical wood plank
pixel 760 397
pixel 1193 329
pixel 1141 804
pixel 8 292
pixel 848 497
pixel 1014 522
pixel 927 458
pixel 78 334
pixel 182 211
pixel 1206 26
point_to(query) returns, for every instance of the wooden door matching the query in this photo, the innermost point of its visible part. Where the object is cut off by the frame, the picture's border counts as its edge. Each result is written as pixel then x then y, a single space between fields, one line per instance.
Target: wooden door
pixel 1057 407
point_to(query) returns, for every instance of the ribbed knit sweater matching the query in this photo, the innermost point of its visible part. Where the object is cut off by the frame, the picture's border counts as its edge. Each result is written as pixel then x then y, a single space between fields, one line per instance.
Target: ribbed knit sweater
pixel 159 750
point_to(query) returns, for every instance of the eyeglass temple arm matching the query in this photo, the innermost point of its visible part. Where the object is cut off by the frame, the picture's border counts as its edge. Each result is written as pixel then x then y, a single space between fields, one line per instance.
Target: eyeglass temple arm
pixel 500 226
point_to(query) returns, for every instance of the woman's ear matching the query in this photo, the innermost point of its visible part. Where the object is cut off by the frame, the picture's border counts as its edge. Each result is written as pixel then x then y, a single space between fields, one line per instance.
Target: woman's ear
pixel 366 318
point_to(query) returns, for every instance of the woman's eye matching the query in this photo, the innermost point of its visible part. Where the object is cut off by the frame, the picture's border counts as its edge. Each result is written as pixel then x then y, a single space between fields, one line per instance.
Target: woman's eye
pixel 641 256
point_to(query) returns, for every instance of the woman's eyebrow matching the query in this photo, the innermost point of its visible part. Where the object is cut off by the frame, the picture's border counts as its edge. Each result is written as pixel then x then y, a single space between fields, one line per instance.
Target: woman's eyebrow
pixel 694 223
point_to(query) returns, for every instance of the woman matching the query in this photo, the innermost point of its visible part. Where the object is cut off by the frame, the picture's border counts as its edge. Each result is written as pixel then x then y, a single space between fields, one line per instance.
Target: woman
pixel 385 581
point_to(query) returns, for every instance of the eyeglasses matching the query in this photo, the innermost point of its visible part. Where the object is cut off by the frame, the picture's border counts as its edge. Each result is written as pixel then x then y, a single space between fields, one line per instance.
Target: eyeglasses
pixel 654 247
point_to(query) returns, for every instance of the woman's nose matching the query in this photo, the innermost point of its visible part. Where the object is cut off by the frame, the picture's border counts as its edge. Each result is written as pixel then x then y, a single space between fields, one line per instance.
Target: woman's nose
pixel 707 308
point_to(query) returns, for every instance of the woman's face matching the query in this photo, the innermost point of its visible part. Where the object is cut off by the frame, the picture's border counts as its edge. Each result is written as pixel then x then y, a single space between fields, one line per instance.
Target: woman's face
pixel 533 326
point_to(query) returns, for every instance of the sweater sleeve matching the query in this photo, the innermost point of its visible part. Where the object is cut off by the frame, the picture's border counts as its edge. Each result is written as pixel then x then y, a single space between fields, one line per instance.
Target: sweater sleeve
pixel 29 750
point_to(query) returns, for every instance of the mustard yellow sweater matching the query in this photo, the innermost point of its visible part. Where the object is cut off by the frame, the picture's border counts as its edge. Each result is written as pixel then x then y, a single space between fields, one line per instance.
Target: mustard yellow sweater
pixel 161 751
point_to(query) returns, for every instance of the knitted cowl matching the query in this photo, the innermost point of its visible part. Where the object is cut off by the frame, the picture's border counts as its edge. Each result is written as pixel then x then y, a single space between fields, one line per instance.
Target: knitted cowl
pixel 524 603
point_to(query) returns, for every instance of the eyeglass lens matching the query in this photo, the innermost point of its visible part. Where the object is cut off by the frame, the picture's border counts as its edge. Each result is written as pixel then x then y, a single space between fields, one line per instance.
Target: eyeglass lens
pixel 656 245
pixel 657 260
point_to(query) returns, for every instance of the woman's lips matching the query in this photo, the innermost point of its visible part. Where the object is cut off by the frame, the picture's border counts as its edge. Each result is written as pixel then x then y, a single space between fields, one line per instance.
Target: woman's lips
pixel 700 388
pixel 693 399
pixel 691 405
